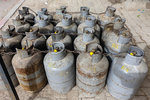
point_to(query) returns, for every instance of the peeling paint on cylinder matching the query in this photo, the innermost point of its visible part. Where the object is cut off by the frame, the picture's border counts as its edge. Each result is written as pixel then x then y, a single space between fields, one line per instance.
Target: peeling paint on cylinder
pixel 29 70
pixel 60 68
pixel 127 74
pixel 91 71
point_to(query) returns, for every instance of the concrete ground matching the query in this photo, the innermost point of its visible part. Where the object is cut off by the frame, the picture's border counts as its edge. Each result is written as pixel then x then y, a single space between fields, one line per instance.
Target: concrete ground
pixel 138 18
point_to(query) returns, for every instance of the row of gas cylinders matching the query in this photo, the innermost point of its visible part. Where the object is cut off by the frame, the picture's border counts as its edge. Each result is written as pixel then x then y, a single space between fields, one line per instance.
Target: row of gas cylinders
pixel 123 70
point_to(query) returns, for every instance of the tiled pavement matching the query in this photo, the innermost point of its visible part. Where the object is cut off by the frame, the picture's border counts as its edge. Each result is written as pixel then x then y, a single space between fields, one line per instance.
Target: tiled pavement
pixel 138 23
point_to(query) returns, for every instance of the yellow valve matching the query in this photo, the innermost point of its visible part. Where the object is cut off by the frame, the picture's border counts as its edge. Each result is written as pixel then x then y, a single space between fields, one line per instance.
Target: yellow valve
pixel 132 54
pixel 31 30
pixel 55 50
pixel 22 48
pixel 91 53
pixel 55 32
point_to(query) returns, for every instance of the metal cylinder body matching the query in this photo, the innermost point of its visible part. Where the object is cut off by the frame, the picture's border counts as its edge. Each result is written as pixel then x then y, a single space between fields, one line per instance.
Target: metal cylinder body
pixel 91 72
pixel 29 70
pixel 60 68
pixel 127 74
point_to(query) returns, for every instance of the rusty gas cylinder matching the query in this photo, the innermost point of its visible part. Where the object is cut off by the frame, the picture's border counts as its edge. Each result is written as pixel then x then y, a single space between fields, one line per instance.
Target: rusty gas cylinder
pixel 60 68
pixel 86 38
pixel 43 12
pixel 29 70
pixel 26 15
pixel 20 25
pixel 68 25
pixel 44 25
pixel 84 12
pixel 32 39
pixel 91 70
pixel 107 17
pixel 59 36
pixel 127 74
pixel 90 22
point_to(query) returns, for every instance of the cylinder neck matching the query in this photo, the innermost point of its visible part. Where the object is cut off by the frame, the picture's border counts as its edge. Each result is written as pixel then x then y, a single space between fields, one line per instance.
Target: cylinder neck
pixel 58 51
pixel 22 53
pixel 124 37
pixel 96 58
pixel 67 20
pixel 58 35
pixel 84 11
pixel 43 20
pixel 134 56
pixel 90 21
pixel 110 11
pixel 119 23
pixel 44 10
pixel 32 34
pixel 88 34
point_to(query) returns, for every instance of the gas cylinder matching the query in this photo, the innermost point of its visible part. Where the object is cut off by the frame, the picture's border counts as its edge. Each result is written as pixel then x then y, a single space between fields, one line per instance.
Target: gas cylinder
pixel 127 74
pixel 116 38
pixel 86 38
pixel 91 23
pixel 32 39
pixel 29 70
pixel 45 27
pixel 60 68
pixel 43 12
pixel 59 36
pixel 107 17
pixel 26 15
pixel 20 25
pixel 68 25
pixel 91 70
pixel 84 12
pixel 9 40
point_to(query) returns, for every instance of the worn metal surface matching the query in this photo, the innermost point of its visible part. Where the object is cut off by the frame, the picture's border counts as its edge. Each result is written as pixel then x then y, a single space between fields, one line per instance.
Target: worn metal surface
pixel 107 17
pixel 81 41
pixel 60 68
pixel 116 38
pixel 59 36
pixel 91 71
pixel 29 70
pixel 127 74
pixel 68 25
pixel 32 39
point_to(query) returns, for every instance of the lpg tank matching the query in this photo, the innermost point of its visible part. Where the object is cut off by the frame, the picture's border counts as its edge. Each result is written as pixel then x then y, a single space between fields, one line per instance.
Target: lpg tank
pixel 33 40
pixel 107 17
pixel 59 36
pixel 29 69
pixel 127 74
pixel 91 70
pixel 90 22
pixel 60 68
pixel 86 38
pixel 84 12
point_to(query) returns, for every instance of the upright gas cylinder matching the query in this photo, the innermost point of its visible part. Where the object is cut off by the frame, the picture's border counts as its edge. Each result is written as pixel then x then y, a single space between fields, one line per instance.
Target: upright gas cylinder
pixel 26 15
pixel 86 38
pixel 20 25
pixel 59 36
pixel 59 13
pixel 91 70
pixel 116 38
pixel 68 25
pixel 45 27
pixel 43 12
pixel 127 74
pixel 84 12
pixel 33 40
pixel 107 17
pixel 91 23
pixel 29 70
pixel 60 68
pixel 9 40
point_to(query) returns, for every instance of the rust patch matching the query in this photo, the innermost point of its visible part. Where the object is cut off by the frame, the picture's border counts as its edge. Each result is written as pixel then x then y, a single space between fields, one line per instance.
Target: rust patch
pixel 36 87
